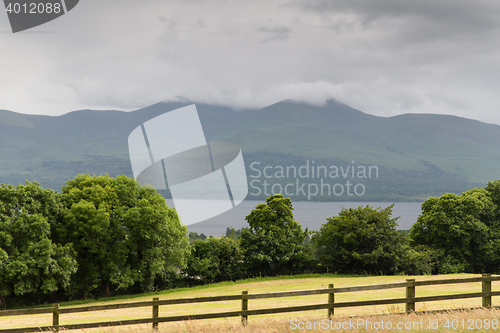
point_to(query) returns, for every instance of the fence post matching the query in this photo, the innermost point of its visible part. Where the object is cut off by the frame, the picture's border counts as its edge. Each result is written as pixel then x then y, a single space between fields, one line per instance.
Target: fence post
pixel 410 293
pixel 244 307
pixel 55 317
pixel 331 301
pixel 155 312
pixel 486 289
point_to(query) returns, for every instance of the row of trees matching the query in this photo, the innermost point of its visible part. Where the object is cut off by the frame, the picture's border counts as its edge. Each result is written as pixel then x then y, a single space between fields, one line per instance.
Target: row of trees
pixel 99 234
pixel 274 244
pixel 102 235
pixel 361 240
pixel 454 233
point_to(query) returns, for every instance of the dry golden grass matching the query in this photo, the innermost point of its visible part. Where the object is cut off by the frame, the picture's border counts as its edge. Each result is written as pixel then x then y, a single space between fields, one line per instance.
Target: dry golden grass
pixel 270 322
pixel 464 321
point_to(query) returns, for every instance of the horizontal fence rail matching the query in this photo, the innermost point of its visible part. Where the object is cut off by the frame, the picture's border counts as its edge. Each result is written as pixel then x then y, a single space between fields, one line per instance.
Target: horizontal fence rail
pixel 409 300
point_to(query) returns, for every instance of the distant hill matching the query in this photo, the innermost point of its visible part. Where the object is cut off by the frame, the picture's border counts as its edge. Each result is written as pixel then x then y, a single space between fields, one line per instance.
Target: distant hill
pixel 416 155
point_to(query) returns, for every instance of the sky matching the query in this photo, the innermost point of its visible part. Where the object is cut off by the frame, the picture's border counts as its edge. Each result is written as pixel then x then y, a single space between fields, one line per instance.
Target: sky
pixel 383 57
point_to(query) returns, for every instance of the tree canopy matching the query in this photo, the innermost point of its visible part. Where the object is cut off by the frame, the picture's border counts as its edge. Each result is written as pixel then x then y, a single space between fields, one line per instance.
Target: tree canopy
pixel 274 243
pixel 462 229
pixel 29 261
pixel 360 240
pixel 124 234
pixel 215 259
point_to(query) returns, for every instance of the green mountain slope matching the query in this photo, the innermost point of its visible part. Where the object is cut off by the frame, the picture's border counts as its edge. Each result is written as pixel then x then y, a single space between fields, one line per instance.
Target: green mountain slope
pixel 461 146
pixel 416 155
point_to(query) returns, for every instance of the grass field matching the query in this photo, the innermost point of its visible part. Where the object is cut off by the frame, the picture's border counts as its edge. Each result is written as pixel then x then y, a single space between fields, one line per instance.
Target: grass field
pixel 460 321
pixel 280 322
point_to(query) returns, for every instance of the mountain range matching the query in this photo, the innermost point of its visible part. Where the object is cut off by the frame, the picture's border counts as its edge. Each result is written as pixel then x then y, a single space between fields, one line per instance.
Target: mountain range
pixel 416 155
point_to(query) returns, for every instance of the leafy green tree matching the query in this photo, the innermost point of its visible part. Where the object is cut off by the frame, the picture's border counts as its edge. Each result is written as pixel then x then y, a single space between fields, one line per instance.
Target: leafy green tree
pixel 493 192
pixel 361 240
pixel 419 260
pixel 194 236
pixel 215 259
pixel 232 233
pixel 125 235
pixel 463 229
pixel 29 261
pixel 274 243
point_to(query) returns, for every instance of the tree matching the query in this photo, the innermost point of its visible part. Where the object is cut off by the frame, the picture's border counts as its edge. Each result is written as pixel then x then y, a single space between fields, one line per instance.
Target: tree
pixel 29 261
pixel 360 240
pixel 493 192
pixel 233 233
pixel 274 243
pixel 125 235
pixel 194 236
pixel 215 259
pixel 462 228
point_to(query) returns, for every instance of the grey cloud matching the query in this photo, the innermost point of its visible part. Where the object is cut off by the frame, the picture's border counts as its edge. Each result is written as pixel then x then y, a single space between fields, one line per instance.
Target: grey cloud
pixel 415 20
pixel 279 34
pixel 482 12
pixel 453 100
pixel 383 57
pixel 201 24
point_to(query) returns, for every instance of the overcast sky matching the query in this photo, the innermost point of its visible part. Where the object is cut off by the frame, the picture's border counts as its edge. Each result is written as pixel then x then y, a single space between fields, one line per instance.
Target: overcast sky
pixel 383 57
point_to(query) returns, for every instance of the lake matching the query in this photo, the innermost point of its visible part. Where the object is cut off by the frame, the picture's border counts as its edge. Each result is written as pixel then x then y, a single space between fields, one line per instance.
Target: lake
pixel 309 214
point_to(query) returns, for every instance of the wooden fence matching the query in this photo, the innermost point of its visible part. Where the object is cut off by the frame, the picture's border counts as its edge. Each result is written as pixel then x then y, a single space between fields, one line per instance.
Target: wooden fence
pixel 330 304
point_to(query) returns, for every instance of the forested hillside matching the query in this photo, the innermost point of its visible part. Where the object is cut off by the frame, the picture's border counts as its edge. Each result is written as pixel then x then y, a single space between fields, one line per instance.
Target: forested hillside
pixel 416 155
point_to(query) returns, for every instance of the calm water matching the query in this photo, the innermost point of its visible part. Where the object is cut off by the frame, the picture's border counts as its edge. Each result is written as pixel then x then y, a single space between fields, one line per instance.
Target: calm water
pixel 308 214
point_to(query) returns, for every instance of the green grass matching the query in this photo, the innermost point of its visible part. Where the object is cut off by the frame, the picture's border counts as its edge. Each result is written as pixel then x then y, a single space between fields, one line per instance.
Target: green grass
pixel 132 298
